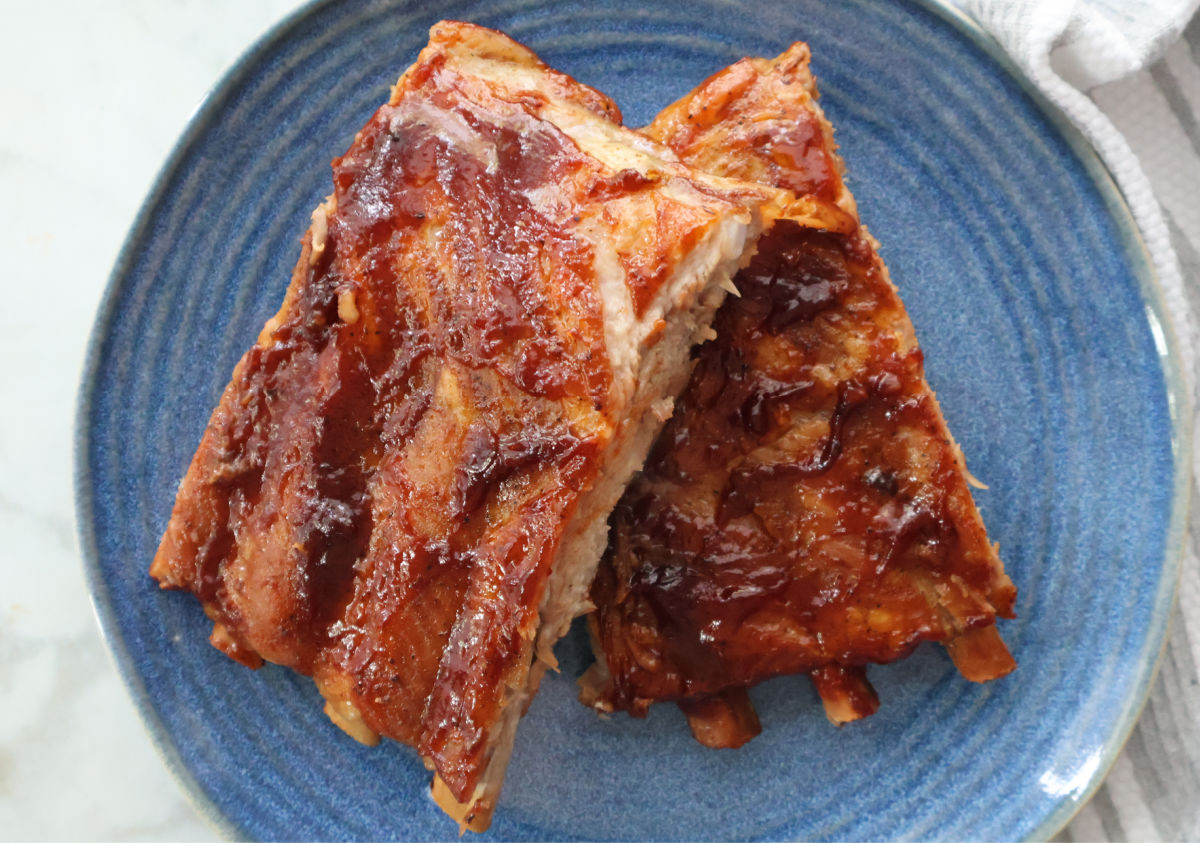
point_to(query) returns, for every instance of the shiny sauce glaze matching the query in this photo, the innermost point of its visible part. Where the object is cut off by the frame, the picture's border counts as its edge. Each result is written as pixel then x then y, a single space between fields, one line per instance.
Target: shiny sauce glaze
pixel 755 120
pixel 804 505
pixel 379 495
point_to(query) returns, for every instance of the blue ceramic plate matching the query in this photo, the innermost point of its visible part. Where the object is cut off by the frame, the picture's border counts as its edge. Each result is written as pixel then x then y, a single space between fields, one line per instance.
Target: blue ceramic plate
pixel 1044 337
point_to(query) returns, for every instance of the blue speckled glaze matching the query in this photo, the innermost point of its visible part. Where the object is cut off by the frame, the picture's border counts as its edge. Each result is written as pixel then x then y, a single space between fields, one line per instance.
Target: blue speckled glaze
pixel 1032 298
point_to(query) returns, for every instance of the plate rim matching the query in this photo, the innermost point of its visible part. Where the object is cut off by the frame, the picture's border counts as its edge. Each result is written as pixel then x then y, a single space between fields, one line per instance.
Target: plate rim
pixel 1132 244
pixel 1179 404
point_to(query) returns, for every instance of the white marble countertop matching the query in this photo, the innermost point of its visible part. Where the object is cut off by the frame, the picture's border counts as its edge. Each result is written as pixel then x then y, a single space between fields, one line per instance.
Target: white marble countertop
pixel 95 95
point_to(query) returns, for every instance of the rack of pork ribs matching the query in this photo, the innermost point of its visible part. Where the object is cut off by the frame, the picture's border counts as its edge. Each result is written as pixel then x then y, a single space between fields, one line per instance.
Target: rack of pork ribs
pixel 406 487
pixel 805 510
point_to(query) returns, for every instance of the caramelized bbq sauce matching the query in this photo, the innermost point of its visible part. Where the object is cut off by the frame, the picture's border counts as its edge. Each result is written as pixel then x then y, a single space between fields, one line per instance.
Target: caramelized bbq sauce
pixel 736 123
pixel 801 507
pixel 486 420
pixel 400 461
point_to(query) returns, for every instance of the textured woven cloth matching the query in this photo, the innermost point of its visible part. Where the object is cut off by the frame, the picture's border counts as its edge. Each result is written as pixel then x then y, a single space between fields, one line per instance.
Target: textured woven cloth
pixel 1127 73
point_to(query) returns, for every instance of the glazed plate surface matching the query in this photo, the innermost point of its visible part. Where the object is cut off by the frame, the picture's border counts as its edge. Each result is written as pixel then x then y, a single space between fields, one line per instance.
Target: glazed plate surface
pixel 1043 335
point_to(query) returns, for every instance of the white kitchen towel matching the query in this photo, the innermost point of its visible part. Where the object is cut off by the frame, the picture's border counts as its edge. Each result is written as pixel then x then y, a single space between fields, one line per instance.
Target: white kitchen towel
pixel 1069 46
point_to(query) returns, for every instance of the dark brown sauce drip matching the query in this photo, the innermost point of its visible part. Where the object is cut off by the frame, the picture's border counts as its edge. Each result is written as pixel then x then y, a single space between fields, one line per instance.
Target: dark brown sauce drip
pixel 746 481
pixel 296 425
pixel 793 277
pixel 489 462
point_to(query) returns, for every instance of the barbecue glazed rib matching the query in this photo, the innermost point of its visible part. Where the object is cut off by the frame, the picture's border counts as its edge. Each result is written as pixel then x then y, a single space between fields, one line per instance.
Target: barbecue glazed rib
pixel 805 510
pixel 404 489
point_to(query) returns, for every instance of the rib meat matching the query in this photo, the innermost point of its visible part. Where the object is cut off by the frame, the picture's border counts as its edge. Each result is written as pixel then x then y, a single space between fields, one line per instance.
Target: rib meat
pixel 805 510
pixel 404 489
